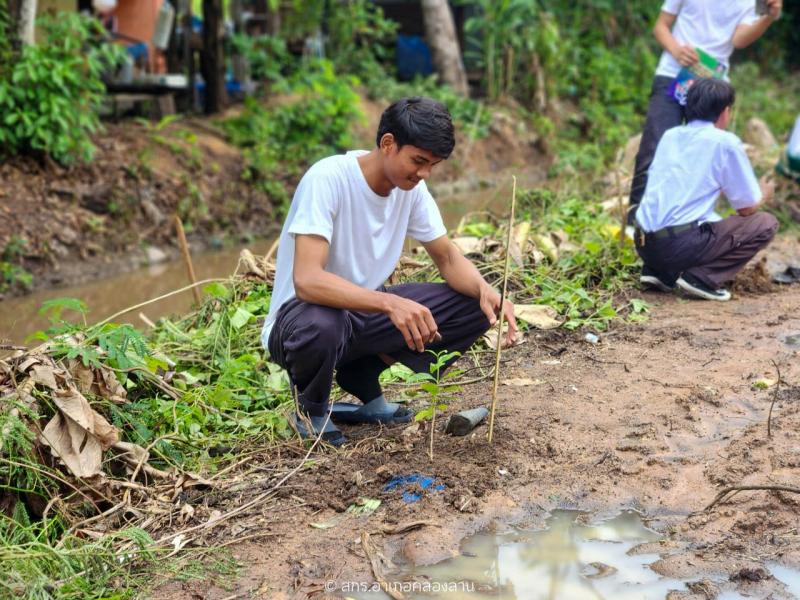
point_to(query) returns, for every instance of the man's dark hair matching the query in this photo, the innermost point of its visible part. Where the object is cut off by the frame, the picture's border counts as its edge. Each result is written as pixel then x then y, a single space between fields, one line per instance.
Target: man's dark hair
pixel 707 99
pixel 421 122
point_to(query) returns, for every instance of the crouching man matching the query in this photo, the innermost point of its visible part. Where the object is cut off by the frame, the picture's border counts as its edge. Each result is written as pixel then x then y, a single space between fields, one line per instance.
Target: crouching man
pixel 680 238
pixel 330 311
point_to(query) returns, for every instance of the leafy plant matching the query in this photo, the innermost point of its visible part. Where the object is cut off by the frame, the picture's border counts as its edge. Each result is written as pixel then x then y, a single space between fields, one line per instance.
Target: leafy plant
pixel 434 384
pixel 267 56
pixel 50 96
pixel 12 273
pixel 470 116
pixel 282 140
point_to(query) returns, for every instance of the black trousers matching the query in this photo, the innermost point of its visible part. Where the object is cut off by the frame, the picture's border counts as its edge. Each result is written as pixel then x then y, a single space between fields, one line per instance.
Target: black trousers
pixel 663 112
pixel 714 252
pixel 310 341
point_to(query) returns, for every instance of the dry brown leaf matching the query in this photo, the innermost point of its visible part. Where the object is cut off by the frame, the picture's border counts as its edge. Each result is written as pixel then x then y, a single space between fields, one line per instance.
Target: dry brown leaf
pixel 540 316
pixel 45 376
pixel 490 337
pixel 468 244
pixel 520 234
pixel 109 387
pixel 545 244
pixel 28 363
pixel 77 434
pixel 83 375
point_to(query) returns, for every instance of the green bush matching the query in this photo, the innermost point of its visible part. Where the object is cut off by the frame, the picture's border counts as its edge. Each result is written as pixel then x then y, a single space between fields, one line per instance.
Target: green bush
pixel 267 56
pixel 285 139
pixel 50 94
pixel 468 115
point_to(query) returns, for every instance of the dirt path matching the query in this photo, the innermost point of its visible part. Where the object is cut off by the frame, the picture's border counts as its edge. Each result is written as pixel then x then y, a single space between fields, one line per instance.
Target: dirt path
pixel 658 416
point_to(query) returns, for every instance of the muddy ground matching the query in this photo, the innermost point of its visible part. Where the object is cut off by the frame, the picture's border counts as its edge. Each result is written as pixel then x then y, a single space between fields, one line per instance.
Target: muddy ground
pixel 659 416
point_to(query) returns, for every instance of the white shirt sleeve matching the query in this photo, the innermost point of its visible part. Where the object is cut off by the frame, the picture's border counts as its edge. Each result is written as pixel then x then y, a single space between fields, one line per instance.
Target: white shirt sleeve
pixel 750 16
pixel 736 176
pixel 425 222
pixel 672 7
pixel 317 203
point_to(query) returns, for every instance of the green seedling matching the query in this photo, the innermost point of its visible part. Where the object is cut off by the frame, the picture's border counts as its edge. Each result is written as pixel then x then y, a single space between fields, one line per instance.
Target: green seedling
pixel 434 383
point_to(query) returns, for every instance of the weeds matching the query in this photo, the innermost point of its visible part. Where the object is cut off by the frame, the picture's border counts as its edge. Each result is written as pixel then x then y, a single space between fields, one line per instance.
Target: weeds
pixel 280 142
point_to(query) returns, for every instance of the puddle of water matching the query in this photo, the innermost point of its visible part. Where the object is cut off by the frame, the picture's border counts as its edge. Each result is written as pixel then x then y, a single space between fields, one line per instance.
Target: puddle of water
pixel 792 340
pixel 566 560
pixel 788 577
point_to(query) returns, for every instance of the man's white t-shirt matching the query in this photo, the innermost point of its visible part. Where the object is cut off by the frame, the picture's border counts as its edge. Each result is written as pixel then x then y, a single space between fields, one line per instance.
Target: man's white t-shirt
pixel 366 232
pixel 708 25
pixel 692 165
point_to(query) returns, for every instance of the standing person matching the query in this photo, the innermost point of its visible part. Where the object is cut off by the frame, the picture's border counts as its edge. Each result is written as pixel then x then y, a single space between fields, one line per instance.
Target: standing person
pixel 680 238
pixel 342 238
pixel 716 27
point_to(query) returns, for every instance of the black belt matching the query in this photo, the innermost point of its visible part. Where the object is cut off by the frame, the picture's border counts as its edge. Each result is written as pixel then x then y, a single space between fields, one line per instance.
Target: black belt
pixel 666 232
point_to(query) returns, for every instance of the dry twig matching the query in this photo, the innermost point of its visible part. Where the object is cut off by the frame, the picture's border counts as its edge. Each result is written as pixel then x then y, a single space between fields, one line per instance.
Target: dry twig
pixel 377 570
pixel 735 489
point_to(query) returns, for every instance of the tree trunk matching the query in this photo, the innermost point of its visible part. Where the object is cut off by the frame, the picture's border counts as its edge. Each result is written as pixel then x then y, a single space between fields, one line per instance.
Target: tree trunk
pixel 27 21
pixel 213 57
pixel 440 31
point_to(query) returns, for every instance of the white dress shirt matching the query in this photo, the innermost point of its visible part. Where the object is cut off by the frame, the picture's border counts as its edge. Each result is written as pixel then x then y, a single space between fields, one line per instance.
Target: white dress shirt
pixel 692 165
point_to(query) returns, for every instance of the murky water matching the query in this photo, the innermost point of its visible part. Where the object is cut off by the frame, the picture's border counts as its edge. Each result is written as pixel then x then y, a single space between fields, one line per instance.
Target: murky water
pixel 19 316
pixel 567 560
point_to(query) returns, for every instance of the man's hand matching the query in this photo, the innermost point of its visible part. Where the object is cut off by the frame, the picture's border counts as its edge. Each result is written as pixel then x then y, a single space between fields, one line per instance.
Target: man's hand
pixel 774 9
pixel 490 305
pixel 767 185
pixel 414 321
pixel 686 55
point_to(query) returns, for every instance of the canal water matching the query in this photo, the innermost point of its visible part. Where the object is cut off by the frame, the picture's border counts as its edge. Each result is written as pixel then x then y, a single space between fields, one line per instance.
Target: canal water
pixel 19 317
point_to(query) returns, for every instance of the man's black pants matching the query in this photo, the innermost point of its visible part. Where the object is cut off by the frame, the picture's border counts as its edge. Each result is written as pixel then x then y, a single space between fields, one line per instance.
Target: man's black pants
pixel 310 341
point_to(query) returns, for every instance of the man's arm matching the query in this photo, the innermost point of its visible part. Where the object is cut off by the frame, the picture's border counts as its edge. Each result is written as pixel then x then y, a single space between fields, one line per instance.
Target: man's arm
pixel 767 192
pixel 313 284
pixel 747 34
pixel 686 55
pixel 461 275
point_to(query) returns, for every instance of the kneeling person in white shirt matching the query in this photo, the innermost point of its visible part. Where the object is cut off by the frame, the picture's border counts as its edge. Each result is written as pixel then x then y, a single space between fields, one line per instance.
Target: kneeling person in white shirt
pixel 331 316
pixel 680 237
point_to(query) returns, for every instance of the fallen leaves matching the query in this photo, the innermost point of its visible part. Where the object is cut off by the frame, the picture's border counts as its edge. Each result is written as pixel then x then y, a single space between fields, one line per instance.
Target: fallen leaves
pixel 538 315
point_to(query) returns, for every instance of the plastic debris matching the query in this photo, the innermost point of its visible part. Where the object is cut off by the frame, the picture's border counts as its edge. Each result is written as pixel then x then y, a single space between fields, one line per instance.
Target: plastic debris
pixel 413 486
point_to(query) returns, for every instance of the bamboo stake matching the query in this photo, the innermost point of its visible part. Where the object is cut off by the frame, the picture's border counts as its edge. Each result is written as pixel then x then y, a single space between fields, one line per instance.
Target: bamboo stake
pixel 187 258
pixel 502 302
pixel 623 214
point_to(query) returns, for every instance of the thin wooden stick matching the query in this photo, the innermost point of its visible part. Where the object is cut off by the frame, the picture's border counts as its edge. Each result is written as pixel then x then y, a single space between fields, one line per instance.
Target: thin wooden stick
pixel 272 249
pixel 623 214
pixel 502 302
pixel 187 258
pixel 158 298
